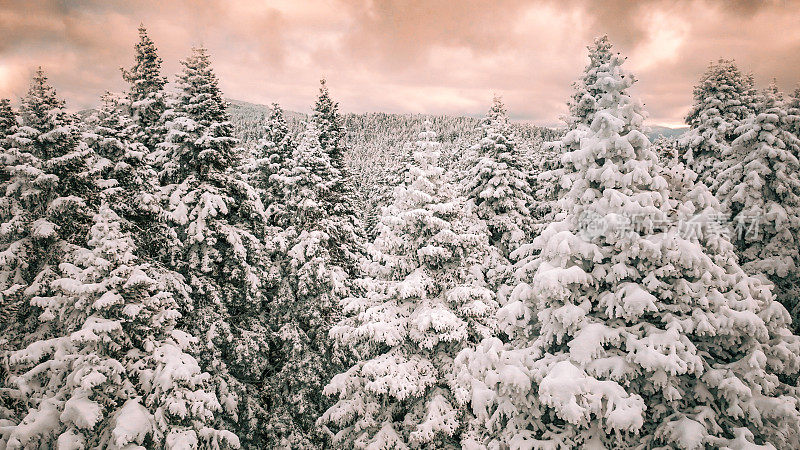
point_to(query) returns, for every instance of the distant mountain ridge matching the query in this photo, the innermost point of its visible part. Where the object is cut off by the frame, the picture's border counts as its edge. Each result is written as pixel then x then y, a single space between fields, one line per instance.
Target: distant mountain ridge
pixel 245 113
pixel 656 131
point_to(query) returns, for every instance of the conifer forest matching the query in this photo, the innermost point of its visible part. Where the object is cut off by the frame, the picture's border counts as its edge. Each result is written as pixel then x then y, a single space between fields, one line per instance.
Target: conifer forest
pixel 183 271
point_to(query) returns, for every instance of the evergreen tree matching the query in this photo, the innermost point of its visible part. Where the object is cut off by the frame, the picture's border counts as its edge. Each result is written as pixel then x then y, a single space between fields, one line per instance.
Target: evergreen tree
pixel 425 302
pixel 584 102
pixel 107 369
pixel 723 99
pixel 148 101
pixel 627 330
pixel 220 221
pixel 497 184
pixel 199 137
pixel 130 186
pixel 49 190
pixel 49 193
pixel 552 184
pixel 9 305
pixel 793 120
pixel 330 125
pixel 274 154
pixel 8 120
pixel 348 231
pixel 761 192
pixel 582 105
pixel 306 303
pixel 8 127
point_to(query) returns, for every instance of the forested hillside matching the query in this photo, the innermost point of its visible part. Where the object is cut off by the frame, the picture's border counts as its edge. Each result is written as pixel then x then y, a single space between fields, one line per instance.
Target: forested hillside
pixel 182 272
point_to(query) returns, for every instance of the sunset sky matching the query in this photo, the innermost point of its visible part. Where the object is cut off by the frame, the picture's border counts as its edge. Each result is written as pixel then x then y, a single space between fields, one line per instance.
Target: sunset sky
pixel 431 56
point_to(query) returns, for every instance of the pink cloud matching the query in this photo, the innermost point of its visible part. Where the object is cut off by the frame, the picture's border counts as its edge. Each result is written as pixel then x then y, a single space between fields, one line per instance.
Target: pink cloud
pixel 435 56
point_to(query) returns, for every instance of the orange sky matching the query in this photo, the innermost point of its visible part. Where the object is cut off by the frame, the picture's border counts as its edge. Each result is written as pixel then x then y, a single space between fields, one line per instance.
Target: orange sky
pixel 428 56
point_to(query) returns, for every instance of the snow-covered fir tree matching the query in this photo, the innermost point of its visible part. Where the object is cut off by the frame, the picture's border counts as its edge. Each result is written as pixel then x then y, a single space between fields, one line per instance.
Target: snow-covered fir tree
pixel 9 306
pixel 147 97
pixel 8 127
pixel 129 183
pixel 627 330
pixel 760 190
pixel 8 120
pixel 274 153
pixel 306 303
pixel 497 184
pixel 425 301
pixel 584 102
pixel 723 99
pixel 330 126
pixel 49 192
pixel 107 368
pixel 348 232
pixel 551 182
pixel 794 112
pixel 220 221
pixel 582 105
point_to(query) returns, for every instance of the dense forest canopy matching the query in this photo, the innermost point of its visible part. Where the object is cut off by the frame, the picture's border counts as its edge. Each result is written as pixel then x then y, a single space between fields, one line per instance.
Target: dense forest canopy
pixel 181 271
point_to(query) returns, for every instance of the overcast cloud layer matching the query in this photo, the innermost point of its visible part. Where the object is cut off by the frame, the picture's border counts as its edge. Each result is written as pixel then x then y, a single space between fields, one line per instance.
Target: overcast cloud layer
pixel 428 56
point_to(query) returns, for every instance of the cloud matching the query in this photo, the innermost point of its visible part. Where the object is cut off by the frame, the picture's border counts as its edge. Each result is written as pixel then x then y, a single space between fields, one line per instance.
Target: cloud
pixel 430 56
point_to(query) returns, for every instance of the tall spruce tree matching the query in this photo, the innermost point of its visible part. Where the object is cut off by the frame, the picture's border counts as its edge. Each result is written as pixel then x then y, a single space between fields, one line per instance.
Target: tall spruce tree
pixel 425 301
pixel 274 153
pixel 627 330
pixel 8 120
pixel 108 370
pixel 584 102
pixel 148 101
pixel 330 126
pixel 582 106
pixel 497 184
pixel 130 185
pixel 49 193
pixel 306 303
pixel 50 190
pixel 9 305
pixel 723 99
pixel 761 192
pixel 8 127
pixel 348 232
pixel 220 221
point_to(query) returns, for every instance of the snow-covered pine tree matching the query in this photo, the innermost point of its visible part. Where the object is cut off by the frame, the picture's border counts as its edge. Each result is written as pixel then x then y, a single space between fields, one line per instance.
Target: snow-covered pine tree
pixel 147 97
pixel 348 232
pixel 306 303
pixel 584 102
pixel 49 193
pixel 551 181
pixel 628 331
pixel 8 120
pixel 761 192
pixel 497 184
pixel 330 126
pixel 9 305
pixel 8 127
pixel 107 368
pixel 793 121
pixel 723 99
pixel 274 153
pixel 425 302
pixel 220 221
pixel 582 106
pixel 130 185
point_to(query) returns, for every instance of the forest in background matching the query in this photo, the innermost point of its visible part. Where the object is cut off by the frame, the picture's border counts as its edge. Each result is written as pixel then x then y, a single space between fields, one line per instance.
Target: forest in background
pixel 174 274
